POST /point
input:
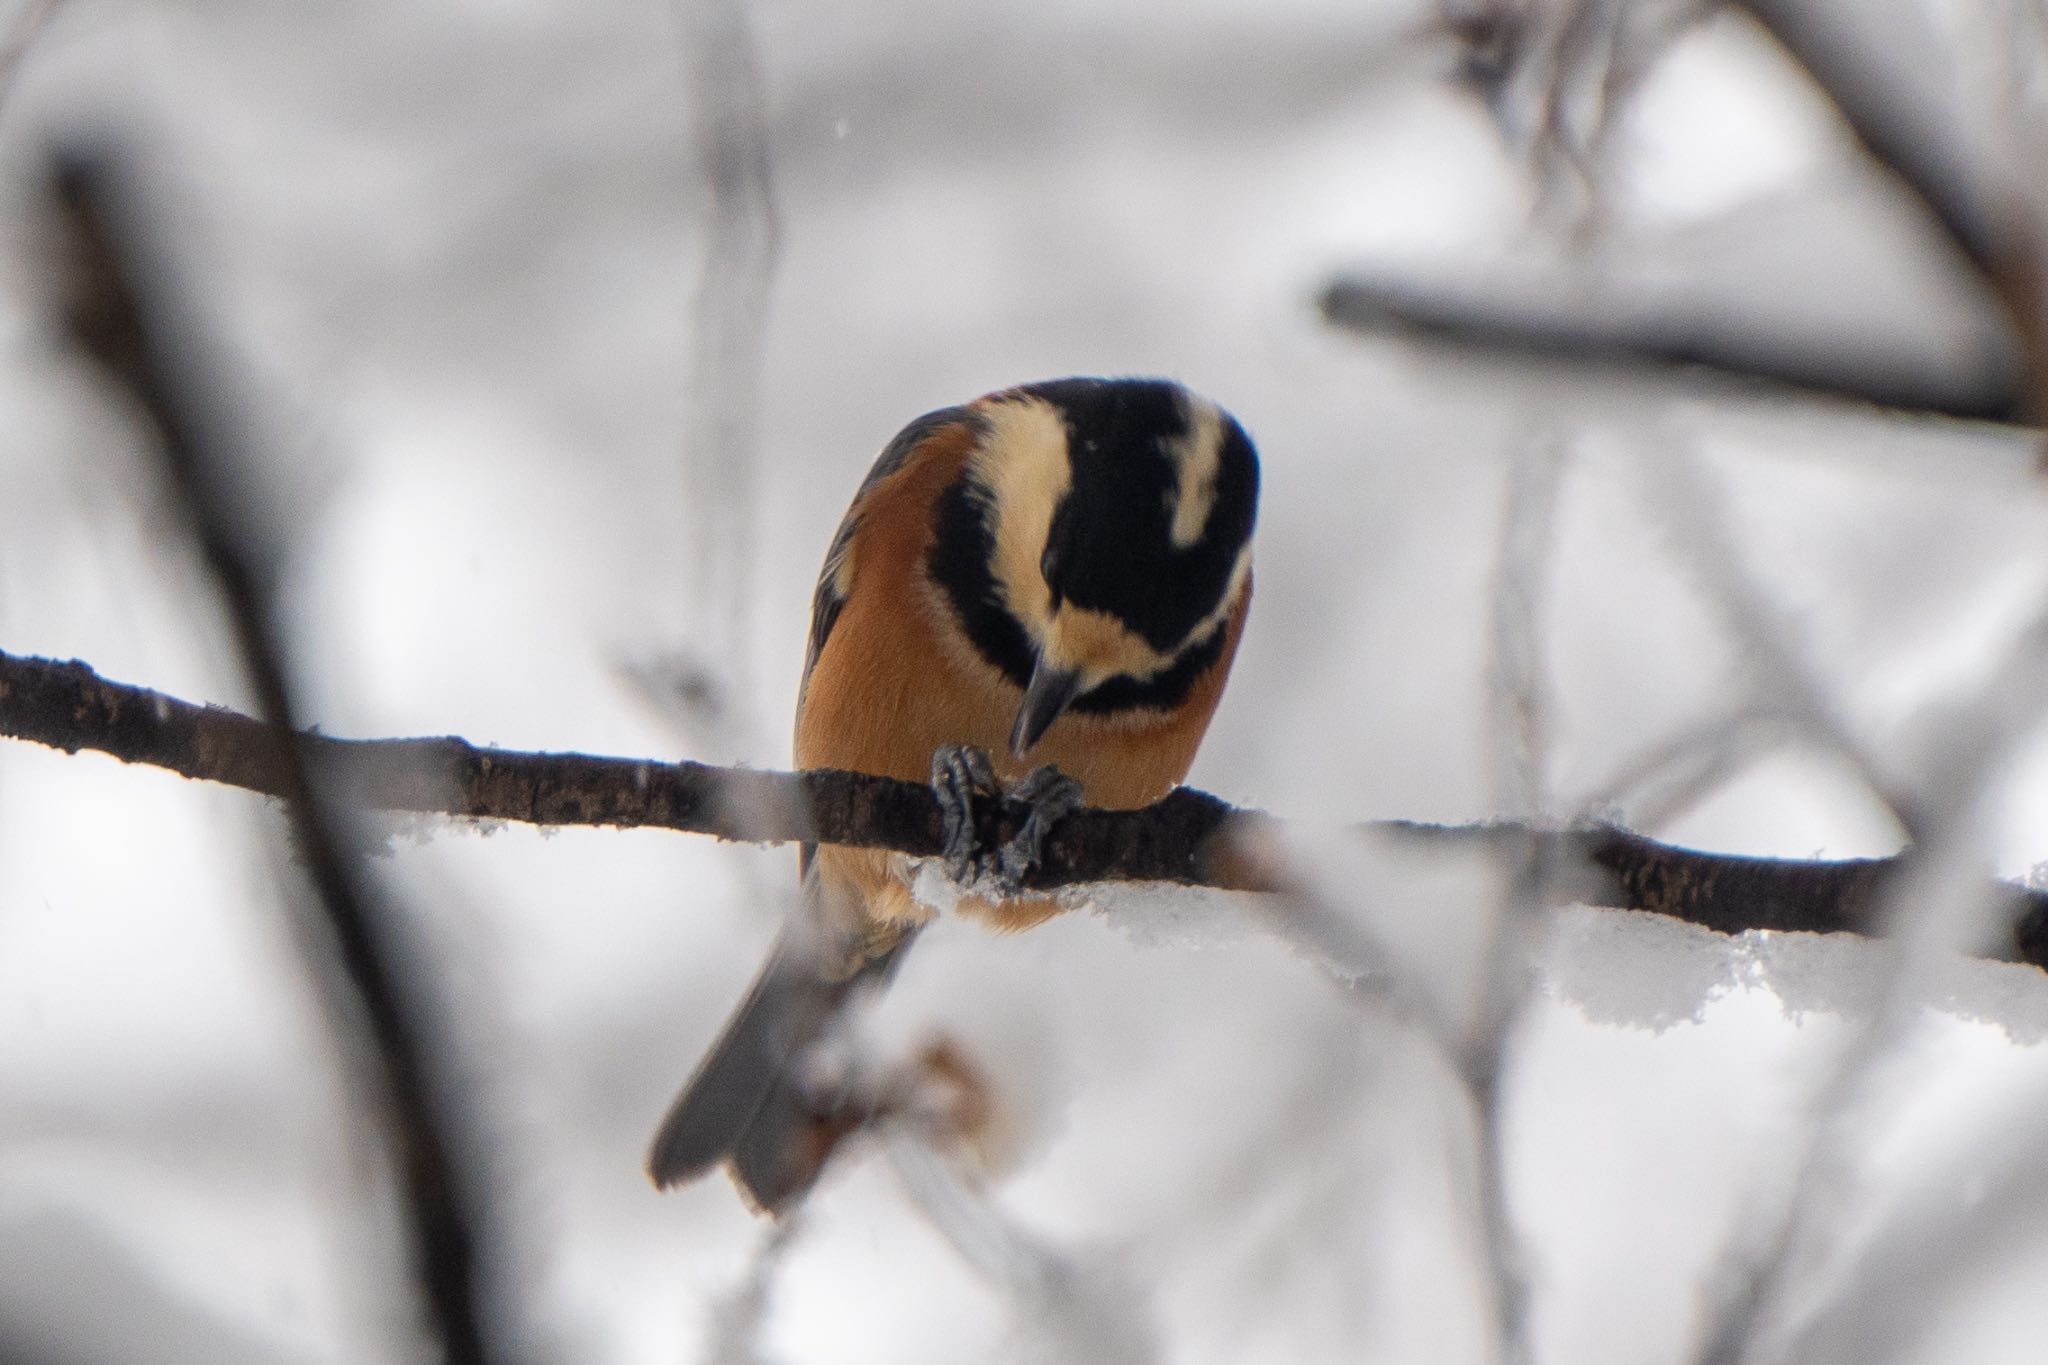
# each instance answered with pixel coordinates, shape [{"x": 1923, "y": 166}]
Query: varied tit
[{"x": 1055, "y": 574}]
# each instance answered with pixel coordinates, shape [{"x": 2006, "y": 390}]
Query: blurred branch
[
  {"x": 1648, "y": 346},
  {"x": 1063, "y": 1308},
  {"x": 1791, "y": 1247},
  {"x": 1519, "y": 713},
  {"x": 1910, "y": 137},
  {"x": 1507, "y": 49},
  {"x": 19, "y": 37},
  {"x": 1902, "y": 134},
  {"x": 1190, "y": 837},
  {"x": 728, "y": 338},
  {"x": 125, "y": 311},
  {"x": 1691, "y": 509}
]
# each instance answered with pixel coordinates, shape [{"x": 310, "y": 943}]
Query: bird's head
[{"x": 1098, "y": 543}]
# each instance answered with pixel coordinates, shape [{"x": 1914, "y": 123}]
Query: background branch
[
  {"x": 728, "y": 330},
  {"x": 1897, "y": 117},
  {"x": 124, "y": 311},
  {"x": 1729, "y": 351},
  {"x": 1891, "y": 119},
  {"x": 1191, "y": 837}
]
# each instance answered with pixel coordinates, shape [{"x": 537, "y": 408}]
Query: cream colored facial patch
[
  {"x": 1099, "y": 646},
  {"x": 1197, "y": 459},
  {"x": 1023, "y": 464}
]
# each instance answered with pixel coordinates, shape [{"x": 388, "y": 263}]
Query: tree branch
[
  {"x": 1191, "y": 837},
  {"x": 1906, "y": 131},
  {"x": 1894, "y": 122},
  {"x": 1653, "y": 346}
]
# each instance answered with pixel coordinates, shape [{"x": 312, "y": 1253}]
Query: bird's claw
[
  {"x": 1051, "y": 796},
  {"x": 961, "y": 772}
]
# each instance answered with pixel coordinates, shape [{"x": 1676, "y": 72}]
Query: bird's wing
[{"x": 835, "y": 578}]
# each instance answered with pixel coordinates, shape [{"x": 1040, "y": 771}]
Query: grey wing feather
[
  {"x": 787, "y": 1006},
  {"x": 746, "y": 1104}
]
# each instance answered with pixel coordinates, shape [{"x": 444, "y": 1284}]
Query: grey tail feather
[{"x": 746, "y": 1103}]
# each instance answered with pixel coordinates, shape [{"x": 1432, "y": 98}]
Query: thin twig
[
  {"x": 1519, "y": 735},
  {"x": 738, "y": 1318},
  {"x": 1934, "y": 903},
  {"x": 1902, "y": 134},
  {"x": 1938, "y": 902},
  {"x": 1064, "y": 1310},
  {"x": 1905, "y": 130},
  {"x": 1517, "y": 690},
  {"x": 1692, "y": 510},
  {"x": 1870, "y": 79},
  {"x": 728, "y": 329}
]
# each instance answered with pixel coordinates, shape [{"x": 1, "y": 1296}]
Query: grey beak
[{"x": 1051, "y": 691}]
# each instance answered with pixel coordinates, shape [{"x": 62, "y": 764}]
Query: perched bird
[{"x": 1056, "y": 573}]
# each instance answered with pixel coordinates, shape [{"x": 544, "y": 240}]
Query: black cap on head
[{"x": 1164, "y": 495}]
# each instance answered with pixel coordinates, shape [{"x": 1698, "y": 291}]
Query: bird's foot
[
  {"x": 960, "y": 773},
  {"x": 1051, "y": 797}
]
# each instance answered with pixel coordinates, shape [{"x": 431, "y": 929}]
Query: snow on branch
[{"x": 1191, "y": 837}]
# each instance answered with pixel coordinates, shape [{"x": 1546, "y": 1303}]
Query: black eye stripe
[{"x": 963, "y": 546}]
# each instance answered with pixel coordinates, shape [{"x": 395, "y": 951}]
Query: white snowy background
[{"x": 452, "y": 248}]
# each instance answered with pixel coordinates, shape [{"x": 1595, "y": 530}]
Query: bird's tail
[{"x": 748, "y": 1104}]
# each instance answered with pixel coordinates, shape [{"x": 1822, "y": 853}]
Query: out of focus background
[{"x": 1643, "y": 393}]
